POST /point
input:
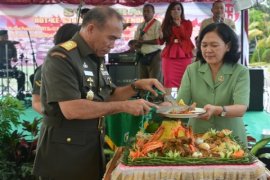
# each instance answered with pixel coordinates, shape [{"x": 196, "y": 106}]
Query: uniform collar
[
  {"x": 226, "y": 69},
  {"x": 83, "y": 47}
]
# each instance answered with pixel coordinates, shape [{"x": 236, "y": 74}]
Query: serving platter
[{"x": 190, "y": 114}]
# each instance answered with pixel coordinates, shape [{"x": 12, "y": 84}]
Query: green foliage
[
  {"x": 259, "y": 32},
  {"x": 256, "y": 56},
  {"x": 10, "y": 111},
  {"x": 266, "y": 55},
  {"x": 260, "y": 144},
  {"x": 16, "y": 153}
]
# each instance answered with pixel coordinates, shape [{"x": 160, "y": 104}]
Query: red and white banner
[{"x": 42, "y": 21}]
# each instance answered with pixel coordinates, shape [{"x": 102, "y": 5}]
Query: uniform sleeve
[
  {"x": 60, "y": 80},
  {"x": 37, "y": 82},
  {"x": 242, "y": 88},
  {"x": 184, "y": 91}
]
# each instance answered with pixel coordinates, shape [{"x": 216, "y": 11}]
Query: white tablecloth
[{"x": 254, "y": 171}]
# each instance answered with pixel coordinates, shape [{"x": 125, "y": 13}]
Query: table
[{"x": 254, "y": 171}]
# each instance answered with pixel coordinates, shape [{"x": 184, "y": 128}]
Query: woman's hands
[
  {"x": 235, "y": 110},
  {"x": 210, "y": 111}
]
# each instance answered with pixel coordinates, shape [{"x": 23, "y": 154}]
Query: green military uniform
[
  {"x": 71, "y": 149},
  {"x": 230, "y": 87},
  {"x": 37, "y": 81}
]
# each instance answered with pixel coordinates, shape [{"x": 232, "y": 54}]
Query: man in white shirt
[
  {"x": 146, "y": 36},
  {"x": 218, "y": 10}
]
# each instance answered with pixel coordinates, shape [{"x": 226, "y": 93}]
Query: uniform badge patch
[
  {"x": 69, "y": 45},
  {"x": 220, "y": 78}
]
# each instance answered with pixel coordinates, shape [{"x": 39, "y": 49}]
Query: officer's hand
[
  {"x": 148, "y": 84},
  {"x": 138, "y": 107}
]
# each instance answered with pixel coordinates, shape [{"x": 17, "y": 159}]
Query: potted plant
[
  {"x": 17, "y": 149},
  {"x": 263, "y": 153}
]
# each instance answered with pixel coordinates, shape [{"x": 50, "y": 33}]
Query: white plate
[{"x": 195, "y": 113}]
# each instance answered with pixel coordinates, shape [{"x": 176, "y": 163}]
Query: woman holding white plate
[{"x": 217, "y": 83}]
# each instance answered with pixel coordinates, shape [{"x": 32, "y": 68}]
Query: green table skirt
[{"x": 120, "y": 126}]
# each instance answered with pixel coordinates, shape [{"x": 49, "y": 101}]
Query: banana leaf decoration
[{"x": 259, "y": 145}]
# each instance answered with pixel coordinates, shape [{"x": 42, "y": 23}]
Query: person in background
[
  {"x": 148, "y": 49},
  {"x": 177, "y": 54},
  {"x": 63, "y": 34},
  {"x": 5, "y": 62},
  {"x": 76, "y": 92},
  {"x": 217, "y": 82},
  {"x": 84, "y": 11},
  {"x": 218, "y": 10}
]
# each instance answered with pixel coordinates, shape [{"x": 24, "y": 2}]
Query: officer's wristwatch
[
  {"x": 136, "y": 89},
  {"x": 224, "y": 112}
]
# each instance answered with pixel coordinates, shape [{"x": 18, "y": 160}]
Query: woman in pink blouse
[{"x": 177, "y": 54}]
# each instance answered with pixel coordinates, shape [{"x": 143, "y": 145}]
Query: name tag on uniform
[
  {"x": 104, "y": 73},
  {"x": 88, "y": 73}
]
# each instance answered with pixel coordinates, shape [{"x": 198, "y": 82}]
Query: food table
[{"x": 255, "y": 171}]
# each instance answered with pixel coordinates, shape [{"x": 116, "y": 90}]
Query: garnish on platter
[{"x": 175, "y": 144}]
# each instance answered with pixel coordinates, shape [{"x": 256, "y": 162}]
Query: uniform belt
[{"x": 55, "y": 121}]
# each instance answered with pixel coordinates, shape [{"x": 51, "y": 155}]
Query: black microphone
[{"x": 219, "y": 18}]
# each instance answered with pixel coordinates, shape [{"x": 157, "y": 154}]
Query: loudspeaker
[
  {"x": 123, "y": 74},
  {"x": 256, "y": 89}
]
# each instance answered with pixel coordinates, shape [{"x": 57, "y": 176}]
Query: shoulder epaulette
[{"x": 69, "y": 45}]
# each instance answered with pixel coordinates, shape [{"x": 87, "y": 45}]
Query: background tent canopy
[{"x": 96, "y": 2}]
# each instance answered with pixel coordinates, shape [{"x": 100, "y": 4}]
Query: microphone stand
[
  {"x": 33, "y": 54},
  {"x": 27, "y": 92},
  {"x": 79, "y": 11}
]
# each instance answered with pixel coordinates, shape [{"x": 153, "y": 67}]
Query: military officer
[
  {"x": 76, "y": 91},
  {"x": 63, "y": 34}
]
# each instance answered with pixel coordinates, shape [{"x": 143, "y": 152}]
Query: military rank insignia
[
  {"x": 220, "y": 78},
  {"x": 90, "y": 95},
  {"x": 69, "y": 45}
]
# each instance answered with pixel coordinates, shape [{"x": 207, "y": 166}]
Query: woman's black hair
[
  {"x": 168, "y": 20},
  {"x": 227, "y": 35},
  {"x": 65, "y": 33}
]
